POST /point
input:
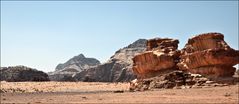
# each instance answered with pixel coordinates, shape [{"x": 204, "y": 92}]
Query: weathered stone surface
[
  {"x": 22, "y": 73},
  {"x": 162, "y": 43},
  {"x": 162, "y": 55},
  {"x": 117, "y": 69},
  {"x": 214, "y": 71},
  {"x": 205, "y": 61},
  {"x": 205, "y": 41},
  {"x": 76, "y": 64},
  {"x": 152, "y": 61},
  {"x": 208, "y": 54},
  {"x": 177, "y": 79},
  {"x": 210, "y": 57},
  {"x": 173, "y": 79}
]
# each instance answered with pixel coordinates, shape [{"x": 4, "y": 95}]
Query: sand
[{"x": 96, "y": 92}]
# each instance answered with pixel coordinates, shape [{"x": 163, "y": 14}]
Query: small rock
[
  {"x": 84, "y": 97},
  {"x": 209, "y": 82},
  {"x": 227, "y": 95},
  {"x": 118, "y": 91}
]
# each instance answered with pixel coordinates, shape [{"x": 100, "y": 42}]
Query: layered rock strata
[
  {"x": 161, "y": 55},
  {"x": 206, "y": 60},
  {"x": 208, "y": 54}
]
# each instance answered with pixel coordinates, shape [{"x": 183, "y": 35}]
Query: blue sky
[{"x": 41, "y": 34}]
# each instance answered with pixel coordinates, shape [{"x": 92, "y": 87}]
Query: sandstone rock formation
[
  {"x": 117, "y": 69},
  {"x": 22, "y": 73},
  {"x": 76, "y": 64},
  {"x": 161, "y": 55},
  {"x": 204, "y": 59},
  {"x": 208, "y": 54}
]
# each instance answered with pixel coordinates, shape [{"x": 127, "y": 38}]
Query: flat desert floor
[{"x": 96, "y": 92}]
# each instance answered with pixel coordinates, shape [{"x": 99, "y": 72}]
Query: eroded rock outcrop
[
  {"x": 161, "y": 55},
  {"x": 117, "y": 69},
  {"x": 208, "y": 54},
  {"x": 22, "y": 73},
  {"x": 177, "y": 79},
  {"x": 206, "y": 60}
]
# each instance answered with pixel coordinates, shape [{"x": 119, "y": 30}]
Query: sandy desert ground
[{"x": 96, "y": 92}]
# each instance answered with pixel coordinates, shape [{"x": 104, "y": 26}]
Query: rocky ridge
[
  {"x": 117, "y": 68},
  {"x": 22, "y": 73},
  {"x": 64, "y": 72}
]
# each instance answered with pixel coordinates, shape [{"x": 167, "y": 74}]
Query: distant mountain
[
  {"x": 63, "y": 72},
  {"x": 22, "y": 73},
  {"x": 117, "y": 68}
]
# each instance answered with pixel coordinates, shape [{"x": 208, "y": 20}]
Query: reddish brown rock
[
  {"x": 161, "y": 55},
  {"x": 209, "y": 57},
  {"x": 214, "y": 71},
  {"x": 152, "y": 61},
  {"x": 162, "y": 43},
  {"x": 205, "y": 41},
  {"x": 208, "y": 54}
]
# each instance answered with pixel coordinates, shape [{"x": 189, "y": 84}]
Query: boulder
[
  {"x": 208, "y": 54},
  {"x": 22, "y": 73},
  {"x": 161, "y": 55},
  {"x": 205, "y": 41}
]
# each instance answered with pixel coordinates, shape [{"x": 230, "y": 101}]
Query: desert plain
[{"x": 98, "y": 92}]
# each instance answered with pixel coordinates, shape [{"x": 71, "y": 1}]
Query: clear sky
[{"x": 41, "y": 34}]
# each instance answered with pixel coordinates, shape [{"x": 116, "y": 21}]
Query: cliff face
[
  {"x": 22, "y": 73},
  {"x": 76, "y": 64},
  {"x": 208, "y": 54},
  {"x": 117, "y": 69},
  {"x": 161, "y": 55}
]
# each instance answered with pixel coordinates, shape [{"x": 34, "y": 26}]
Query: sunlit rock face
[
  {"x": 161, "y": 55},
  {"x": 205, "y": 59},
  {"x": 208, "y": 54}
]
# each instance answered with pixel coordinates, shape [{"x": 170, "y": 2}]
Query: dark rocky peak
[
  {"x": 76, "y": 64},
  {"x": 138, "y": 43},
  {"x": 117, "y": 68},
  {"x": 80, "y": 61},
  {"x": 22, "y": 73},
  {"x": 80, "y": 56},
  {"x": 127, "y": 53}
]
